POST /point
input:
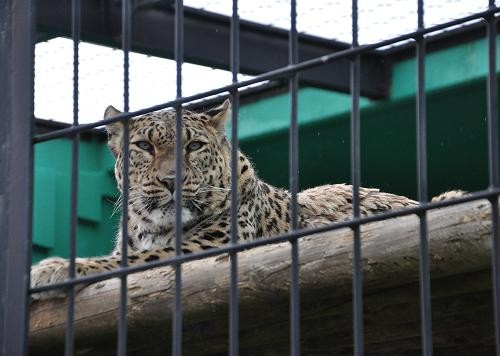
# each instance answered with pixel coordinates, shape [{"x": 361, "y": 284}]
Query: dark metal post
[
  {"x": 357, "y": 284},
  {"x": 122, "y": 322},
  {"x": 179, "y": 58},
  {"x": 16, "y": 171},
  {"x": 235, "y": 67},
  {"x": 75, "y": 142},
  {"x": 293, "y": 58},
  {"x": 493, "y": 166},
  {"x": 421, "y": 125}
]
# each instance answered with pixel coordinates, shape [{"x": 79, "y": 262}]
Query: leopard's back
[{"x": 333, "y": 202}]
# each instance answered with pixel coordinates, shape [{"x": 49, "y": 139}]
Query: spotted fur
[{"x": 263, "y": 210}]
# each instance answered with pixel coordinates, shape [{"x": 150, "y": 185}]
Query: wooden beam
[{"x": 460, "y": 239}]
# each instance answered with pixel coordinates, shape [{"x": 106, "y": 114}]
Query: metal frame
[
  {"x": 126, "y": 38},
  {"x": 101, "y": 23},
  {"x": 293, "y": 168},
  {"x": 16, "y": 174},
  {"x": 16, "y": 171},
  {"x": 179, "y": 59},
  {"x": 235, "y": 101},
  {"x": 357, "y": 285},
  {"x": 75, "y": 34}
]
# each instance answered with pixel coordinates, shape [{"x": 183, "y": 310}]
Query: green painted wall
[
  {"x": 457, "y": 147},
  {"x": 96, "y": 193},
  {"x": 456, "y": 108}
]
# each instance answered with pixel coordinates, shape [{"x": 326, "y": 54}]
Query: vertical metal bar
[
  {"x": 126, "y": 35},
  {"x": 421, "y": 110},
  {"x": 493, "y": 167},
  {"x": 293, "y": 86},
  {"x": 357, "y": 284},
  {"x": 73, "y": 224},
  {"x": 122, "y": 322},
  {"x": 496, "y": 271},
  {"x": 179, "y": 57},
  {"x": 294, "y": 183},
  {"x": 425, "y": 288},
  {"x": 492, "y": 100},
  {"x": 16, "y": 171},
  {"x": 233, "y": 303}
]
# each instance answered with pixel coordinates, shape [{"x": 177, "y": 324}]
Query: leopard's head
[{"x": 205, "y": 164}]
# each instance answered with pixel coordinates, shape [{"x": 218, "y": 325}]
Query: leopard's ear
[
  {"x": 219, "y": 115},
  {"x": 115, "y": 130}
]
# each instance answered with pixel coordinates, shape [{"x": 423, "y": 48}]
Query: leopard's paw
[
  {"x": 451, "y": 194},
  {"x": 49, "y": 271}
]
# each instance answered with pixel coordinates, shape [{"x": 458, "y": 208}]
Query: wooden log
[{"x": 460, "y": 254}]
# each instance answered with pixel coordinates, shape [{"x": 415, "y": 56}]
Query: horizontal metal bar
[
  {"x": 275, "y": 74},
  {"x": 101, "y": 23},
  {"x": 492, "y": 193}
]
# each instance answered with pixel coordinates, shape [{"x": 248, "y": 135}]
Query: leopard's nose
[{"x": 168, "y": 182}]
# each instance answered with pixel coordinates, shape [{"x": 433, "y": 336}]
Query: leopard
[{"x": 263, "y": 210}]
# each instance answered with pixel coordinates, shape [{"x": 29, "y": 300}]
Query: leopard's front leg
[{"x": 55, "y": 269}]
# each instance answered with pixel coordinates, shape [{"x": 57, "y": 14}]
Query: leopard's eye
[
  {"x": 195, "y": 145},
  {"x": 144, "y": 145}
]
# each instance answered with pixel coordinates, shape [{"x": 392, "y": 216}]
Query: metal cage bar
[
  {"x": 421, "y": 138},
  {"x": 122, "y": 316},
  {"x": 357, "y": 284},
  {"x": 16, "y": 171},
  {"x": 75, "y": 156},
  {"x": 234, "y": 301},
  {"x": 492, "y": 118},
  {"x": 293, "y": 58},
  {"x": 179, "y": 58}
]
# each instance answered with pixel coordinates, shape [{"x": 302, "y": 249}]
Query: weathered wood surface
[{"x": 460, "y": 253}]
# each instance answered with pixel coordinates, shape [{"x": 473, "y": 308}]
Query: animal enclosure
[{"x": 312, "y": 277}]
